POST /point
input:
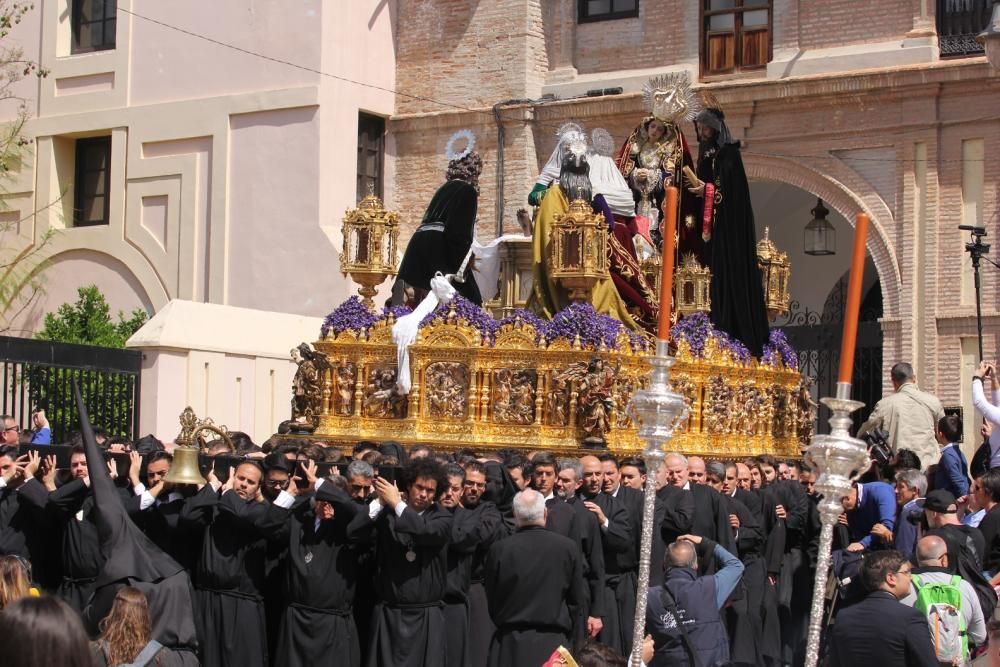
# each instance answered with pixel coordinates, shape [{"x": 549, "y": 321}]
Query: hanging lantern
[
  {"x": 692, "y": 287},
  {"x": 370, "y": 237},
  {"x": 990, "y": 38},
  {"x": 579, "y": 250},
  {"x": 820, "y": 237},
  {"x": 775, "y": 273}
]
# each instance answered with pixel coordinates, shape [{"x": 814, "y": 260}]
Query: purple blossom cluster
[
  {"x": 524, "y": 316},
  {"x": 778, "y": 348},
  {"x": 474, "y": 315},
  {"x": 697, "y": 328},
  {"x": 580, "y": 319},
  {"x": 352, "y": 315},
  {"x": 395, "y": 311}
]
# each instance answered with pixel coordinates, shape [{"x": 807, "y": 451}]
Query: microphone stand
[{"x": 976, "y": 249}]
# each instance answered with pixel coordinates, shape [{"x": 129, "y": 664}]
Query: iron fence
[
  {"x": 39, "y": 375},
  {"x": 958, "y": 23}
]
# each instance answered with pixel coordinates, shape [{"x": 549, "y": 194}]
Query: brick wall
[{"x": 826, "y": 23}]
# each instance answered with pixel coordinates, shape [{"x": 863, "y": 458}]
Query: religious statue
[
  {"x": 556, "y": 400},
  {"x": 595, "y": 397},
  {"x": 307, "y": 384},
  {"x": 806, "y": 410},
  {"x": 627, "y": 296},
  {"x": 443, "y": 241},
  {"x": 344, "y": 397},
  {"x": 737, "y": 294},
  {"x": 514, "y": 396},
  {"x": 381, "y": 399},
  {"x": 655, "y": 155}
]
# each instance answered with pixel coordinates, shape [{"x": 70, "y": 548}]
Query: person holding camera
[{"x": 909, "y": 415}]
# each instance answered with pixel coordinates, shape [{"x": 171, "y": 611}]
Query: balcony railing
[{"x": 958, "y": 23}]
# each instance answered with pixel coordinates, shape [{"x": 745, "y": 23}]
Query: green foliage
[{"x": 88, "y": 321}]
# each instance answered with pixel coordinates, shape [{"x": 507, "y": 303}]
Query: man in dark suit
[
  {"x": 952, "y": 473},
  {"x": 880, "y": 630},
  {"x": 534, "y": 584}
]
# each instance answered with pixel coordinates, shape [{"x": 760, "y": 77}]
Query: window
[
  {"x": 603, "y": 10},
  {"x": 94, "y": 23},
  {"x": 92, "y": 183},
  {"x": 737, "y": 36},
  {"x": 371, "y": 148}
]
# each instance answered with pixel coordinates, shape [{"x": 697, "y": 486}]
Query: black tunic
[
  {"x": 408, "y": 626},
  {"x": 737, "y": 292},
  {"x": 618, "y": 546},
  {"x": 230, "y": 574},
  {"x": 675, "y": 517},
  {"x": 534, "y": 583},
  {"x": 744, "y": 616},
  {"x": 22, "y": 525},
  {"x": 320, "y": 575},
  {"x": 711, "y": 520},
  {"x": 474, "y": 530},
  {"x": 71, "y": 507}
]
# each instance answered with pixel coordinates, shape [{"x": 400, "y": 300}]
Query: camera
[{"x": 878, "y": 446}]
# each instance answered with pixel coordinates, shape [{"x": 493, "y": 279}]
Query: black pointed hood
[{"x": 128, "y": 552}]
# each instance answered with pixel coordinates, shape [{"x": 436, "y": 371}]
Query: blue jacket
[
  {"x": 952, "y": 471},
  {"x": 877, "y": 504}
]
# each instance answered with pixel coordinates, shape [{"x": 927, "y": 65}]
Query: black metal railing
[
  {"x": 958, "y": 23},
  {"x": 39, "y": 374}
]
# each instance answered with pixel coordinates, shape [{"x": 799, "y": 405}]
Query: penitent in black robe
[
  {"x": 534, "y": 583},
  {"x": 411, "y": 551},
  {"x": 230, "y": 574},
  {"x": 473, "y": 531},
  {"x": 320, "y": 575},
  {"x": 619, "y": 583},
  {"x": 71, "y": 507},
  {"x": 737, "y": 293}
]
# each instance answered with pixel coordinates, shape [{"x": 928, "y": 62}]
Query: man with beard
[
  {"x": 72, "y": 508},
  {"x": 534, "y": 583},
  {"x": 411, "y": 566},
  {"x": 319, "y": 580},
  {"x": 229, "y": 578},
  {"x": 737, "y": 294},
  {"x": 621, "y": 560},
  {"x": 476, "y": 526}
]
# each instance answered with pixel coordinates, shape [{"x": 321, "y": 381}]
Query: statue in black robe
[
  {"x": 737, "y": 293},
  {"x": 442, "y": 241}
]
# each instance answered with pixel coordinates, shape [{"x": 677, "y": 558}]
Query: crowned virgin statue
[{"x": 654, "y": 157}]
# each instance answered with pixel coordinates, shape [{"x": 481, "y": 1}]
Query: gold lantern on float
[
  {"x": 579, "y": 250},
  {"x": 652, "y": 268},
  {"x": 775, "y": 273},
  {"x": 370, "y": 237},
  {"x": 692, "y": 287}
]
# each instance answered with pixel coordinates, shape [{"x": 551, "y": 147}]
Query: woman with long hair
[
  {"x": 15, "y": 582},
  {"x": 126, "y": 634},
  {"x": 43, "y": 631}
]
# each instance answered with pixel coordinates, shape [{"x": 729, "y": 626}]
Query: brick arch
[{"x": 843, "y": 197}]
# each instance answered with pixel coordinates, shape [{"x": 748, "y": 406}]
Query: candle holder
[
  {"x": 579, "y": 246},
  {"x": 658, "y": 412},
  {"x": 370, "y": 237},
  {"x": 838, "y": 460}
]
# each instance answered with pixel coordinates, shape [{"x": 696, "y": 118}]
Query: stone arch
[{"x": 842, "y": 195}]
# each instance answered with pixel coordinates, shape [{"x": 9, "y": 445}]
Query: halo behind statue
[
  {"x": 470, "y": 145},
  {"x": 669, "y": 98},
  {"x": 602, "y": 142}
]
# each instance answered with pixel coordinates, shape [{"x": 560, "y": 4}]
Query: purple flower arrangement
[
  {"x": 580, "y": 319},
  {"x": 524, "y": 316},
  {"x": 778, "y": 348},
  {"x": 395, "y": 311},
  {"x": 697, "y": 328},
  {"x": 475, "y": 316},
  {"x": 352, "y": 315}
]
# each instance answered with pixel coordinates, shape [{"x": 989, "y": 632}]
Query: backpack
[{"x": 942, "y": 605}]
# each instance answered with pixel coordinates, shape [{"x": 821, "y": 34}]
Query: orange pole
[
  {"x": 853, "y": 301},
  {"x": 669, "y": 230}
]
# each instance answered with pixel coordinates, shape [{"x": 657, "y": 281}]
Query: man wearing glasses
[
  {"x": 880, "y": 630},
  {"x": 11, "y": 431}
]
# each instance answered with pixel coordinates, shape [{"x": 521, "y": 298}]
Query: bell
[{"x": 184, "y": 469}]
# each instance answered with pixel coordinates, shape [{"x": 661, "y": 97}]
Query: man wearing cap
[{"x": 865, "y": 506}]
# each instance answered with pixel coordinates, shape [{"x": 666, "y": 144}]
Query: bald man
[
  {"x": 711, "y": 517},
  {"x": 696, "y": 469},
  {"x": 933, "y": 568}
]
